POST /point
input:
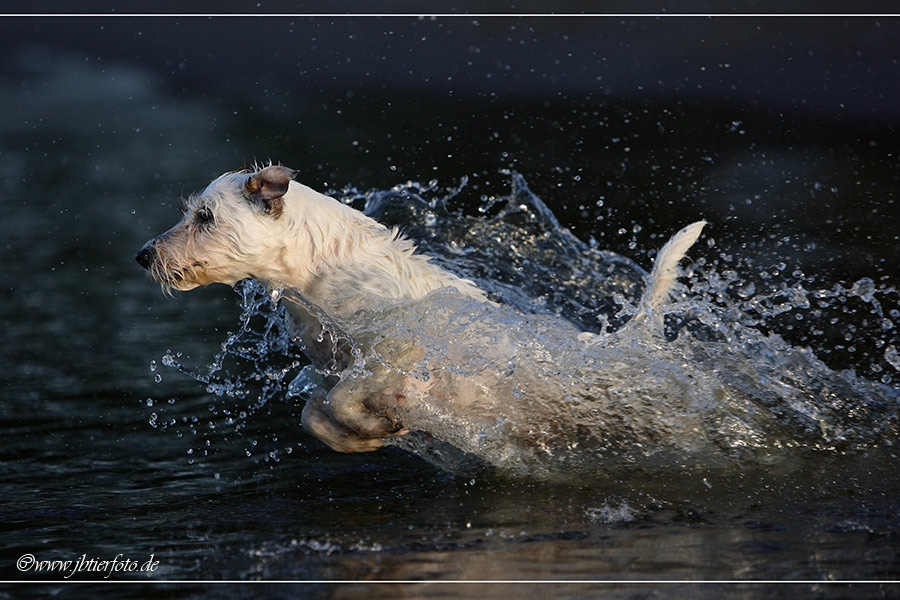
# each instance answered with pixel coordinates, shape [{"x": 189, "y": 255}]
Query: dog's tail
[{"x": 663, "y": 275}]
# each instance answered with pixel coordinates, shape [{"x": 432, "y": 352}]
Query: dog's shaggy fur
[{"x": 260, "y": 223}]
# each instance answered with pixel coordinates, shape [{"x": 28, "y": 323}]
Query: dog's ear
[{"x": 267, "y": 186}]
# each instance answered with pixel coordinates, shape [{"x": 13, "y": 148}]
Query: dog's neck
[{"x": 340, "y": 258}]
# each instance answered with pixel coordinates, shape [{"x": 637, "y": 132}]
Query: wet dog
[{"x": 260, "y": 223}]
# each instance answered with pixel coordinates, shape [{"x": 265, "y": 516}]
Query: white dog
[{"x": 262, "y": 224}]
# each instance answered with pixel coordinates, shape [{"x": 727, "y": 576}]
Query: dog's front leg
[
  {"x": 359, "y": 411},
  {"x": 368, "y": 405},
  {"x": 319, "y": 421}
]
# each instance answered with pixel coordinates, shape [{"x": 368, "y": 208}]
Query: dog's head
[{"x": 228, "y": 232}]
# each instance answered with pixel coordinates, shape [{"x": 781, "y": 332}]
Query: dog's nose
[{"x": 146, "y": 256}]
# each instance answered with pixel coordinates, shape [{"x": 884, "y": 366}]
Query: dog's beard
[{"x": 173, "y": 278}]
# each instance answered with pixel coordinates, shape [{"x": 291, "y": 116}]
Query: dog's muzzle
[{"x": 146, "y": 256}]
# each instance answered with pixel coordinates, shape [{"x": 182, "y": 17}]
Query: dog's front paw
[
  {"x": 318, "y": 421},
  {"x": 369, "y": 406}
]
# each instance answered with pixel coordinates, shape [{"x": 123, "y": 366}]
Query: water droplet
[
  {"x": 747, "y": 291},
  {"x": 864, "y": 288},
  {"x": 892, "y": 356}
]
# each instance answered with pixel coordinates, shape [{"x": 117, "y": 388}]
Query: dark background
[{"x": 776, "y": 122}]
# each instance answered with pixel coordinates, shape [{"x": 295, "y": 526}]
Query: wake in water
[{"x": 516, "y": 385}]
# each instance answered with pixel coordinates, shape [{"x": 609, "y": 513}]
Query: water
[{"x": 773, "y": 456}]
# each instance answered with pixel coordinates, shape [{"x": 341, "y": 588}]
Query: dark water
[{"x": 99, "y": 458}]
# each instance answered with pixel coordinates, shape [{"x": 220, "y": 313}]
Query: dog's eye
[{"x": 204, "y": 216}]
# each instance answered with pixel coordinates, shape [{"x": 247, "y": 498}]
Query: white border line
[
  {"x": 452, "y": 15},
  {"x": 463, "y": 581}
]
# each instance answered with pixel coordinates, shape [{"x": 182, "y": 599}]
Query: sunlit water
[{"x": 516, "y": 389}]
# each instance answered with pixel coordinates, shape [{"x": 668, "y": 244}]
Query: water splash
[
  {"x": 622, "y": 513},
  {"x": 253, "y": 363},
  {"x": 739, "y": 377}
]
